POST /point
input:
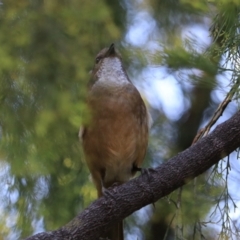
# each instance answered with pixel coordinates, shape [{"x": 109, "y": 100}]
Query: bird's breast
[{"x": 117, "y": 135}]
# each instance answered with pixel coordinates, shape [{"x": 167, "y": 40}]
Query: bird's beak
[{"x": 111, "y": 51}]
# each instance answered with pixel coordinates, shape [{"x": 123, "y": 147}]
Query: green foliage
[
  {"x": 185, "y": 214},
  {"x": 47, "y": 50},
  {"x": 183, "y": 58}
]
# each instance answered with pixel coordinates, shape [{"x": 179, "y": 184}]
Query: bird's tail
[{"x": 116, "y": 232}]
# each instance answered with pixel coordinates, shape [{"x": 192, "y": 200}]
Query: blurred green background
[{"x": 47, "y": 49}]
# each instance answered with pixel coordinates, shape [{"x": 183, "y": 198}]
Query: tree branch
[{"x": 152, "y": 185}]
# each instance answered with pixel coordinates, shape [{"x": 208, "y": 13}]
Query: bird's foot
[
  {"x": 146, "y": 171},
  {"x": 107, "y": 192}
]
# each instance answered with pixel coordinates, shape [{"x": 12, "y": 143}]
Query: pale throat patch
[{"x": 111, "y": 72}]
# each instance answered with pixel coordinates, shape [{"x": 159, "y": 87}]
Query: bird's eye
[{"x": 98, "y": 60}]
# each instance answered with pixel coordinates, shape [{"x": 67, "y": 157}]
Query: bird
[{"x": 115, "y": 139}]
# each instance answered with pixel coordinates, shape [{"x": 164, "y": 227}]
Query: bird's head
[{"x": 107, "y": 61}]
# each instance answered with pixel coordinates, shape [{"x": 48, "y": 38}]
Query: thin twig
[{"x": 218, "y": 113}]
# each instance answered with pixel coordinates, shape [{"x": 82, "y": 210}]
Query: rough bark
[{"x": 154, "y": 184}]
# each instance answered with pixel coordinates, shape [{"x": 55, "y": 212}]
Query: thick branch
[{"x": 151, "y": 186}]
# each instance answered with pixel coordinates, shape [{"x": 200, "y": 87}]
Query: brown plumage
[{"x": 116, "y": 138}]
